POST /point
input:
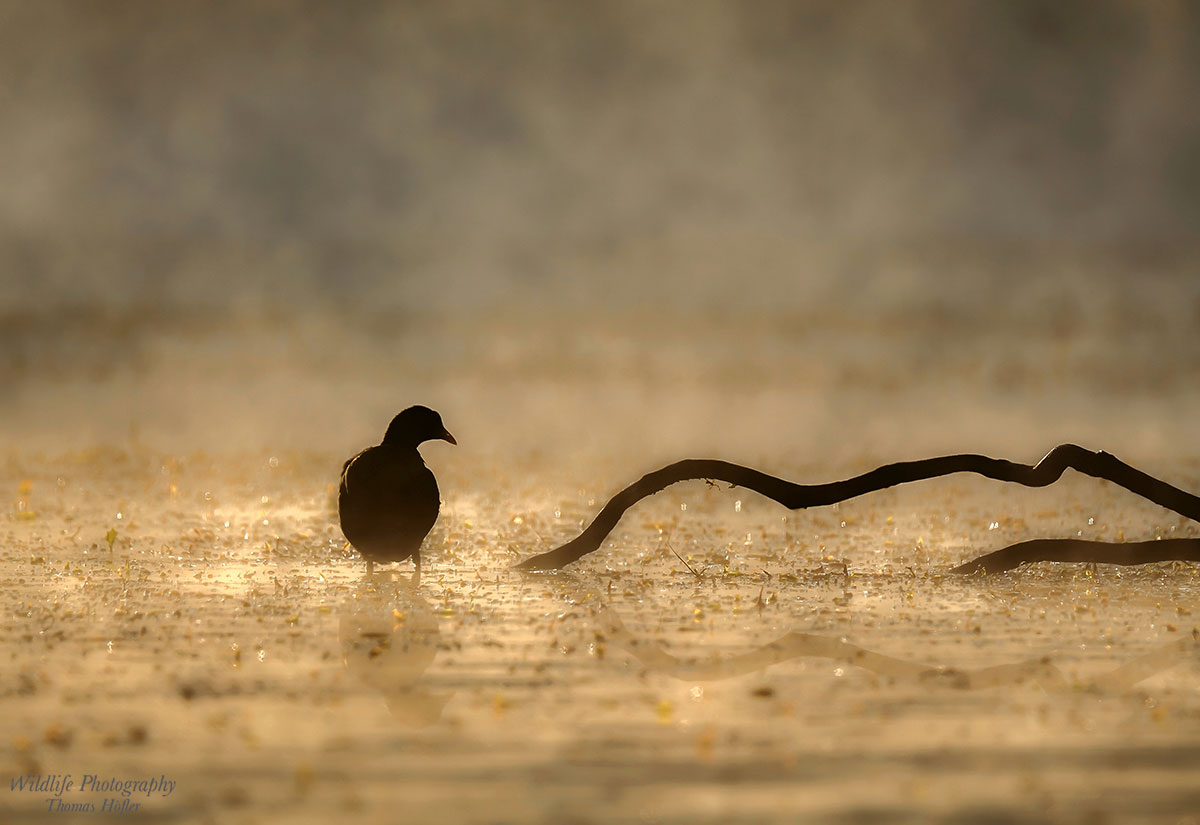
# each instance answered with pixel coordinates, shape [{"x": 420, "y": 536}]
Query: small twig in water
[{"x": 685, "y": 564}]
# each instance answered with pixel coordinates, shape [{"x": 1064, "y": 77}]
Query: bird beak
[{"x": 447, "y": 437}]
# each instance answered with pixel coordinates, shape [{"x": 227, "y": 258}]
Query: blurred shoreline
[{"x": 1014, "y": 372}]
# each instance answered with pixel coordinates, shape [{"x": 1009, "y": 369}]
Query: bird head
[{"x": 416, "y": 425}]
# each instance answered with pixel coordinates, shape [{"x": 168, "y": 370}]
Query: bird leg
[
  {"x": 370, "y": 569},
  {"x": 416, "y": 577}
]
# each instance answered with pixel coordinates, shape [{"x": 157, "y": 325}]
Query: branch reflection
[
  {"x": 795, "y": 645},
  {"x": 389, "y": 636}
]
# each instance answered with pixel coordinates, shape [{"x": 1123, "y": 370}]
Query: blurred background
[{"x": 774, "y": 232}]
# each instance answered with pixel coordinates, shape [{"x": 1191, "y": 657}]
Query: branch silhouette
[{"x": 801, "y": 496}]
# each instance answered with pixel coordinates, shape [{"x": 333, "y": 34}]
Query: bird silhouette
[{"x": 388, "y": 499}]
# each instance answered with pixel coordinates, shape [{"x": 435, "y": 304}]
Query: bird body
[{"x": 388, "y": 500}]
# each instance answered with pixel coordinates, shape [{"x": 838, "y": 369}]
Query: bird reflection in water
[{"x": 389, "y": 637}]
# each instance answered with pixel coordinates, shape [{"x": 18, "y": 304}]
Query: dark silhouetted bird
[{"x": 389, "y": 499}]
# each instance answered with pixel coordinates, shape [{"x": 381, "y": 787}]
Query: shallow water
[{"x": 198, "y": 617}]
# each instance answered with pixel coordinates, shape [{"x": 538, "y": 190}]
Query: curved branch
[
  {"x": 1078, "y": 550},
  {"x": 799, "y": 496}
]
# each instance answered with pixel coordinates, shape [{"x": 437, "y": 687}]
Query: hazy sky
[{"x": 396, "y": 154}]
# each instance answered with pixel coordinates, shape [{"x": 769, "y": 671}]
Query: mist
[{"x": 247, "y": 224}]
